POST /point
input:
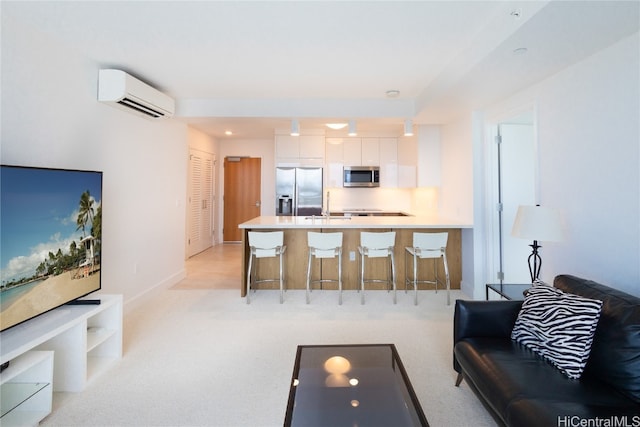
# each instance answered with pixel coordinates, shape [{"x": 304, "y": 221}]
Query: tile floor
[{"x": 218, "y": 267}]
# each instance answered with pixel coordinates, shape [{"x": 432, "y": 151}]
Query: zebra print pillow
[{"x": 559, "y": 326}]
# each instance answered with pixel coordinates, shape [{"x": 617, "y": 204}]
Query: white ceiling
[{"x": 252, "y": 66}]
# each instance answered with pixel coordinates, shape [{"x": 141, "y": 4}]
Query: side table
[{"x": 510, "y": 291}]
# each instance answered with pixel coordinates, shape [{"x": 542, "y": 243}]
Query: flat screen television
[{"x": 50, "y": 239}]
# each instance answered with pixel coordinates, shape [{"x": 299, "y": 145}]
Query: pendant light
[
  {"x": 352, "y": 128},
  {"x": 408, "y": 127},
  {"x": 295, "y": 127}
]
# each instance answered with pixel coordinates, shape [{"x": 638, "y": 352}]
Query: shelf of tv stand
[
  {"x": 85, "y": 339},
  {"x": 26, "y": 389}
]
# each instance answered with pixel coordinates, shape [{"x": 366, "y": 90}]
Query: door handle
[{"x": 257, "y": 203}]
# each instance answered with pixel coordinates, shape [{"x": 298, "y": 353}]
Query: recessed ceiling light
[
  {"x": 394, "y": 93},
  {"x": 336, "y": 126},
  {"x": 228, "y": 132}
]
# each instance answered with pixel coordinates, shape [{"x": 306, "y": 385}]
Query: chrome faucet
[{"x": 327, "y": 212}]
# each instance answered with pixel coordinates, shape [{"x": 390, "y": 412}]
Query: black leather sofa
[{"x": 519, "y": 388}]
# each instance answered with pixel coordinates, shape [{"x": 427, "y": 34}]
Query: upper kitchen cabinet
[
  {"x": 303, "y": 150},
  {"x": 334, "y": 160},
  {"x": 361, "y": 151},
  {"x": 369, "y": 151},
  {"x": 407, "y": 162},
  {"x": 388, "y": 160},
  {"x": 311, "y": 146},
  {"x": 428, "y": 155},
  {"x": 352, "y": 149}
]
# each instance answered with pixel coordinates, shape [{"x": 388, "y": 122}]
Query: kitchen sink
[
  {"x": 328, "y": 218},
  {"x": 371, "y": 212}
]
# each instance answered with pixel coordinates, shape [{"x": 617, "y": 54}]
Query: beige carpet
[{"x": 206, "y": 358}]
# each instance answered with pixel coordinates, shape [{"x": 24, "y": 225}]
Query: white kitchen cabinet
[
  {"x": 407, "y": 162},
  {"x": 370, "y": 152},
  {"x": 303, "y": 150},
  {"x": 428, "y": 155},
  {"x": 311, "y": 147},
  {"x": 352, "y": 151},
  {"x": 334, "y": 162},
  {"x": 362, "y": 151},
  {"x": 388, "y": 150},
  {"x": 366, "y": 151},
  {"x": 287, "y": 147},
  {"x": 334, "y": 150},
  {"x": 388, "y": 155}
]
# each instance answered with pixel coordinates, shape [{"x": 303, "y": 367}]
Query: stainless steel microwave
[{"x": 361, "y": 176}]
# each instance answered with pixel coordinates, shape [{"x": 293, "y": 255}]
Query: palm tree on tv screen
[{"x": 85, "y": 213}]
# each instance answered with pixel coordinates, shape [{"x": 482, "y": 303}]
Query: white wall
[
  {"x": 50, "y": 118},
  {"x": 589, "y": 163},
  {"x": 456, "y": 192},
  {"x": 589, "y": 119},
  {"x": 199, "y": 140}
]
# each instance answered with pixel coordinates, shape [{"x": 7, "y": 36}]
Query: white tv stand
[{"x": 61, "y": 350}]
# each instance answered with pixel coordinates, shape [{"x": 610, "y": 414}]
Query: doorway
[
  {"x": 242, "y": 197},
  {"x": 514, "y": 164}
]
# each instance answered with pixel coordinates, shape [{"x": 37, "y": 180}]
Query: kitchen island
[{"x": 295, "y": 230}]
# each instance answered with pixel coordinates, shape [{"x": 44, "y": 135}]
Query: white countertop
[{"x": 353, "y": 222}]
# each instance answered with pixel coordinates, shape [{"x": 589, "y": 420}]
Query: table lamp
[{"x": 537, "y": 223}]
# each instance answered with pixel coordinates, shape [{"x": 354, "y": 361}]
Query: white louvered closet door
[{"x": 201, "y": 206}]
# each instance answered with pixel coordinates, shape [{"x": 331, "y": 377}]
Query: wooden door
[{"x": 242, "y": 198}]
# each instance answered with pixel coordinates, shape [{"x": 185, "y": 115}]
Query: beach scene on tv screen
[{"x": 50, "y": 239}]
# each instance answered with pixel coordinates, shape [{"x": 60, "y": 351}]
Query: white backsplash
[
  {"x": 425, "y": 201},
  {"x": 417, "y": 201}
]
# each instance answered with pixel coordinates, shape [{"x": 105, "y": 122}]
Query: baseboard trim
[{"x": 136, "y": 301}]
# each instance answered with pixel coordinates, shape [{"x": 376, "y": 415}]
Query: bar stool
[
  {"x": 427, "y": 245},
  {"x": 377, "y": 245},
  {"x": 265, "y": 245},
  {"x": 325, "y": 245}
]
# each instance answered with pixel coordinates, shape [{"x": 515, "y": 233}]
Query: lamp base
[{"x": 535, "y": 262}]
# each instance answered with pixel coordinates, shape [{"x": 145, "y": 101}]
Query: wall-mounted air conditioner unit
[{"x": 121, "y": 90}]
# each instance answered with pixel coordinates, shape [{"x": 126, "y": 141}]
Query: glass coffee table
[{"x": 351, "y": 385}]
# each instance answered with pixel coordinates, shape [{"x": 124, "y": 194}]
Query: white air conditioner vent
[{"x": 121, "y": 90}]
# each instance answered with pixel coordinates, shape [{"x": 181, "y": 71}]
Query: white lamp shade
[{"x": 538, "y": 223}]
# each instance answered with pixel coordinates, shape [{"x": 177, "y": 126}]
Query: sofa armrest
[{"x": 491, "y": 319}]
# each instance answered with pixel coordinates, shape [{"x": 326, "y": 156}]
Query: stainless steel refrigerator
[{"x": 298, "y": 191}]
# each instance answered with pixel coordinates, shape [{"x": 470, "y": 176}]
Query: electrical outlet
[{"x": 352, "y": 255}]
